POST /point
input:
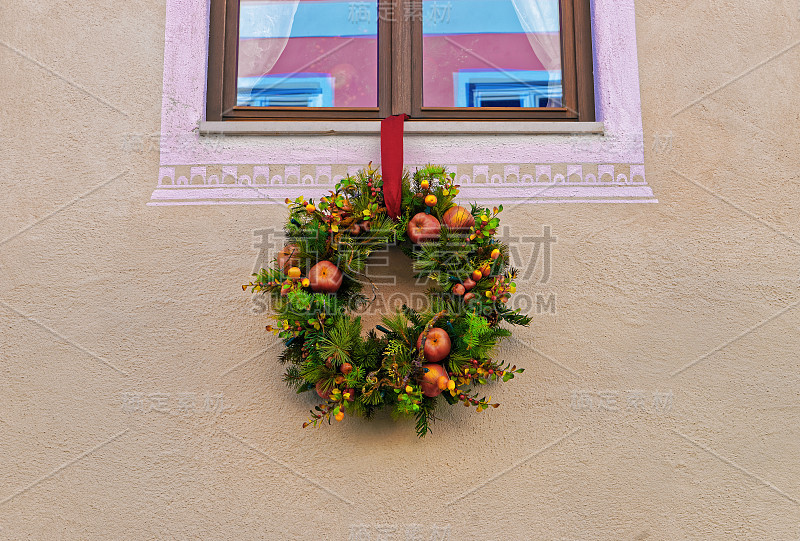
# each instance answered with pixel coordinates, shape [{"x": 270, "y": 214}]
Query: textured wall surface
[{"x": 139, "y": 398}]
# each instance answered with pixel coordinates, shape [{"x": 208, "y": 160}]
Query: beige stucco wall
[{"x": 103, "y": 300}]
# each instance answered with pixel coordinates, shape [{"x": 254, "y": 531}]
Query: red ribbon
[{"x": 392, "y": 162}]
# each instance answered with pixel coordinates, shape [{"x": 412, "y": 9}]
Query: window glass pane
[
  {"x": 304, "y": 53},
  {"x": 491, "y": 53}
]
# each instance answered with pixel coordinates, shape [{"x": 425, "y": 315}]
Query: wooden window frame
[{"x": 400, "y": 79}]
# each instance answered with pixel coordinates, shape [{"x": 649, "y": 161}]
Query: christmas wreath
[{"x": 416, "y": 359}]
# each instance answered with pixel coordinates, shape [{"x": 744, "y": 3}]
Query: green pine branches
[
  {"x": 338, "y": 343},
  {"x": 354, "y": 373}
]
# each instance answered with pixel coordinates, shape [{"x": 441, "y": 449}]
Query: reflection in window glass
[
  {"x": 303, "y": 53},
  {"x": 491, "y": 53}
]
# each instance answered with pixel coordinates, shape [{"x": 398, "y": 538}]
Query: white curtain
[
  {"x": 271, "y": 19},
  {"x": 540, "y": 19}
]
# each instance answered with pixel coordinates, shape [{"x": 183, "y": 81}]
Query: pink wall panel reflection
[
  {"x": 445, "y": 55},
  {"x": 353, "y": 62}
]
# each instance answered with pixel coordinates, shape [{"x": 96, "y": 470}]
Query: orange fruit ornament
[
  {"x": 430, "y": 379},
  {"x": 458, "y": 218}
]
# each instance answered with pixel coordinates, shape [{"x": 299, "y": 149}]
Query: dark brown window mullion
[
  {"x": 218, "y": 57},
  {"x": 416, "y": 68},
  {"x": 231, "y": 62},
  {"x": 569, "y": 99},
  {"x": 385, "y": 79},
  {"x": 584, "y": 65},
  {"x": 223, "y": 47},
  {"x": 401, "y": 55}
]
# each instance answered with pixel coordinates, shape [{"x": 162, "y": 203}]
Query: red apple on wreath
[
  {"x": 458, "y": 218},
  {"x": 322, "y": 394},
  {"x": 430, "y": 379},
  {"x": 423, "y": 227},
  {"x": 288, "y": 257},
  {"x": 437, "y": 346},
  {"x": 325, "y": 277}
]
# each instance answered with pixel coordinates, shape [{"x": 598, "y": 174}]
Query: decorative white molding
[{"x": 486, "y": 184}]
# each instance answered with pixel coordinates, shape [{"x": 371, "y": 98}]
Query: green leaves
[{"x": 399, "y": 352}]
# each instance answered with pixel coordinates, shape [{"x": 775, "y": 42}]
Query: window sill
[{"x": 414, "y": 127}]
